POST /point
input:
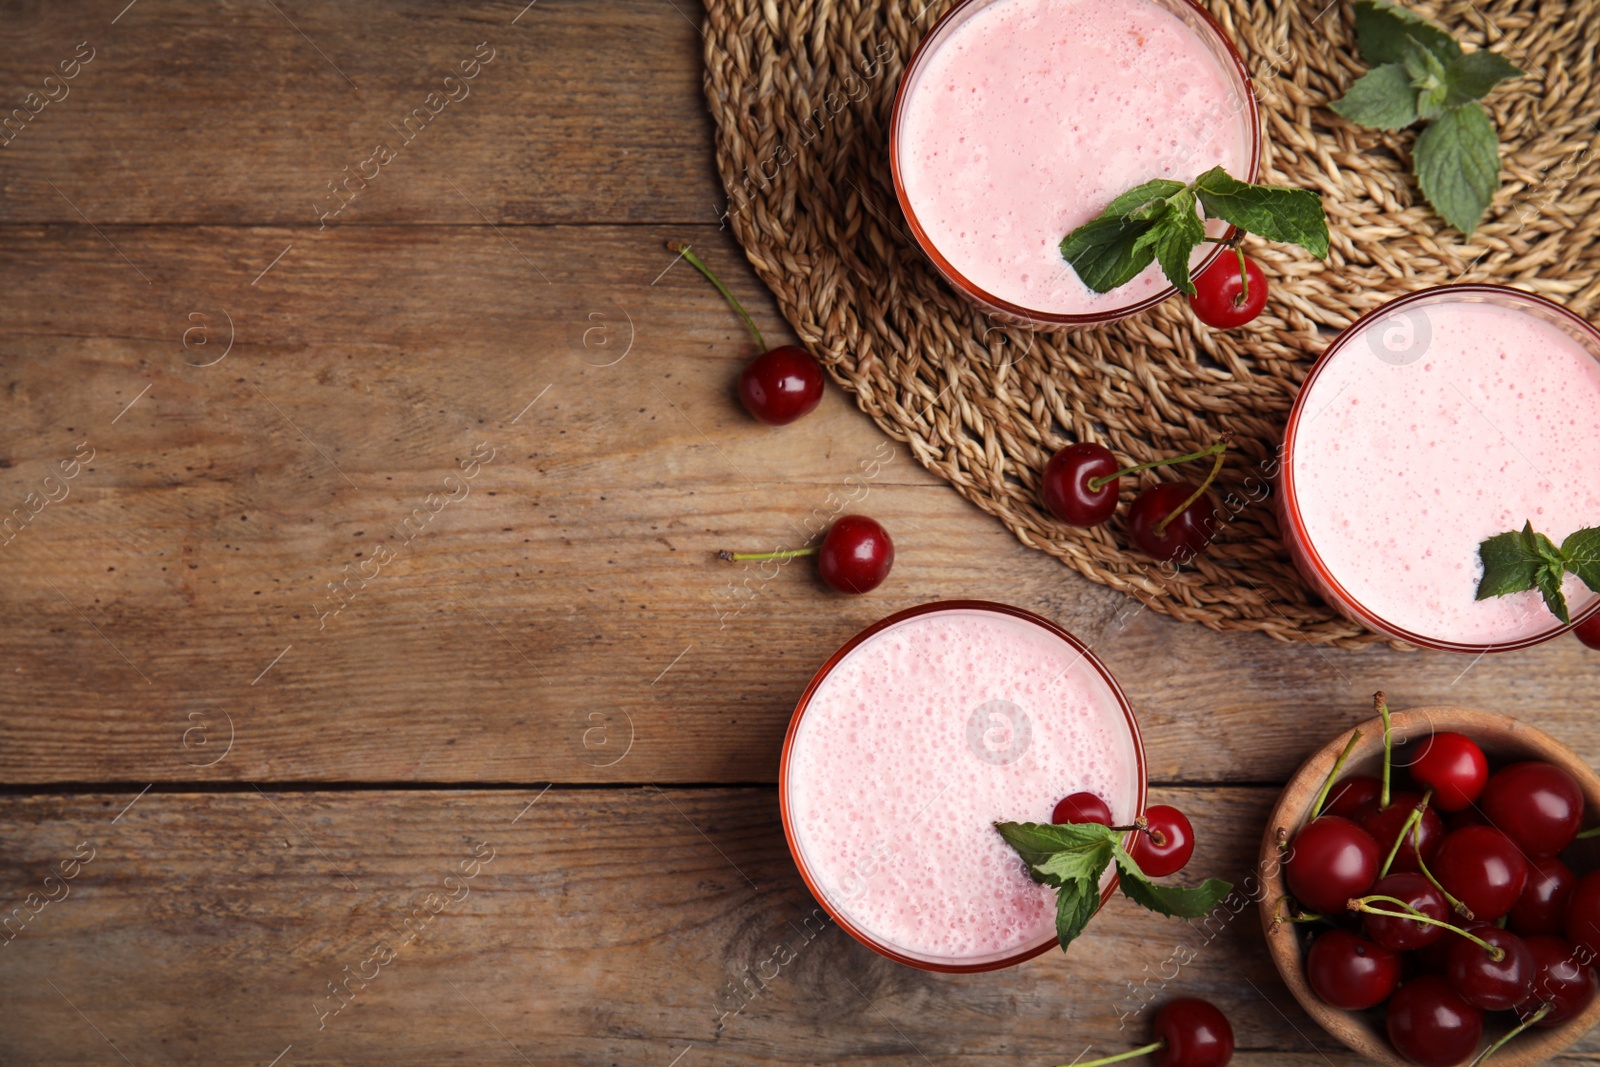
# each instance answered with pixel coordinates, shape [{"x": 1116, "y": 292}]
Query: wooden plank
[
  {"x": 246, "y": 112},
  {"x": 606, "y": 928},
  {"x": 570, "y": 599}
]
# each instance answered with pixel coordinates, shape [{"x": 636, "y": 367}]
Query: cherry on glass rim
[
  {"x": 1588, "y": 631},
  {"x": 1165, "y": 844},
  {"x": 1082, "y": 807},
  {"x": 1230, "y": 292}
]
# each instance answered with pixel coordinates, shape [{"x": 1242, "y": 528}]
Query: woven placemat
[{"x": 802, "y": 91}]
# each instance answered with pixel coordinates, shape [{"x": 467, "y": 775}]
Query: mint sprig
[
  {"x": 1159, "y": 221},
  {"x": 1073, "y": 857},
  {"x": 1420, "y": 73},
  {"x": 1519, "y": 560}
]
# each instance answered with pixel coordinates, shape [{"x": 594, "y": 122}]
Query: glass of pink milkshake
[
  {"x": 1434, "y": 422},
  {"x": 1017, "y": 121},
  {"x": 912, "y": 741}
]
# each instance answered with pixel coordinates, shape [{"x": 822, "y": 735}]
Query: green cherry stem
[
  {"x": 1333, "y": 774},
  {"x": 1589, "y": 833},
  {"x": 1154, "y": 1046},
  {"x": 1381, "y": 704},
  {"x": 1412, "y": 820},
  {"x": 1483, "y": 1057},
  {"x": 733, "y": 301},
  {"x": 1244, "y": 279},
  {"x": 1096, "y": 483},
  {"x": 1455, "y": 905},
  {"x": 1216, "y": 469},
  {"x": 1365, "y": 904},
  {"x": 785, "y": 553},
  {"x": 1280, "y": 916}
]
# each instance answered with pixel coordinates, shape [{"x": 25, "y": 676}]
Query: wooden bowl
[{"x": 1504, "y": 740}]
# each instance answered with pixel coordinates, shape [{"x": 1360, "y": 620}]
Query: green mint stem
[
  {"x": 1209, "y": 450},
  {"x": 1381, "y": 704},
  {"x": 1544, "y": 1009},
  {"x": 1414, "y": 819},
  {"x": 1154, "y": 1046},
  {"x": 1333, "y": 774},
  {"x": 1365, "y": 904},
  {"x": 786, "y": 553},
  {"x": 733, "y": 301},
  {"x": 1216, "y": 469}
]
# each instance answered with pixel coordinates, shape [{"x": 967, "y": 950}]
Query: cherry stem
[
  {"x": 1095, "y": 484},
  {"x": 733, "y": 301},
  {"x": 1216, "y": 469},
  {"x": 1154, "y": 1046},
  {"x": 1483, "y": 1057},
  {"x": 1279, "y": 918},
  {"x": 1338, "y": 765},
  {"x": 1456, "y": 905},
  {"x": 1496, "y": 953},
  {"x": 1244, "y": 279},
  {"x": 1141, "y": 824},
  {"x": 1413, "y": 819},
  {"x": 1381, "y": 705},
  {"x": 785, "y": 553},
  {"x": 1589, "y": 833}
]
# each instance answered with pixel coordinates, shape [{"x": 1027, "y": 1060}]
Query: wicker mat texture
[{"x": 802, "y": 92}]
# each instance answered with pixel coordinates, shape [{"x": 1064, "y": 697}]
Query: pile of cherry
[{"x": 1447, "y": 900}]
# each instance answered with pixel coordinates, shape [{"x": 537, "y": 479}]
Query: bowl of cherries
[{"x": 1430, "y": 892}]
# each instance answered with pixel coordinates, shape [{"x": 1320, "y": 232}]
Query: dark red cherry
[
  {"x": 1386, "y": 825},
  {"x": 1352, "y": 796},
  {"x": 780, "y": 386},
  {"x": 1082, "y": 807},
  {"x": 1403, "y": 935},
  {"x": 1563, "y": 978},
  {"x": 1067, "y": 492},
  {"x": 1485, "y": 982},
  {"x": 1454, "y": 767},
  {"x": 1350, "y": 972},
  {"x": 1193, "y": 1034},
  {"x": 1430, "y": 1025},
  {"x": 856, "y": 554},
  {"x": 1184, "y": 536},
  {"x": 1538, "y": 805},
  {"x": 1542, "y": 907},
  {"x": 1482, "y": 868},
  {"x": 1331, "y": 861},
  {"x": 1167, "y": 843},
  {"x": 1219, "y": 299},
  {"x": 1583, "y": 914},
  {"x": 1588, "y": 631}
]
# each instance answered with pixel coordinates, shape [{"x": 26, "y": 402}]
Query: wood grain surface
[{"x": 377, "y": 525}]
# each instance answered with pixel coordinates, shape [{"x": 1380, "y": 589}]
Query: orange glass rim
[
  {"x": 1296, "y": 529},
  {"x": 929, "y": 44},
  {"x": 849, "y": 646}
]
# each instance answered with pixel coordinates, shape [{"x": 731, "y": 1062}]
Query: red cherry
[
  {"x": 1331, "y": 861},
  {"x": 1194, "y": 1033},
  {"x": 1430, "y": 1025},
  {"x": 1562, "y": 979},
  {"x": 1185, "y": 536},
  {"x": 1583, "y": 914},
  {"x": 1454, "y": 767},
  {"x": 779, "y": 386},
  {"x": 1402, "y": 935},
  {"x": 1542, "y": 907},
  {"x": 1066, "y": 484},
  {"x": 1466, "y": 817},
  {"x": 1588, "y": 631},
  {"x": 1350, "y": 972},
  {"x": 856, "y": 555},
  {"x": 1216, "y": 299},
  {"x": 1082, "y": 807},
  {"x": 1485, "y": 982},
  {"x": 1352, "y": 796},
  {"x": 1385, "y": 826},
  {"x": 1482, "y": 868},
  {"x": 1538, "y": 805},
  {"x": 1166, "y": 844}
]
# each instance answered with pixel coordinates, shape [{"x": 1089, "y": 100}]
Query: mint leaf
[
  {"x": 1169, "y": 900},
  {"x": 1059, "y": 854},
  {"x": 1382, "y": 30},
  {"x": 1141, "y": 198},
  {"x": 1382, "y": 98},
  {"x": 1102, "y": 251},
  {"x": 1581, "y": 553},
  {"x": 1075, "y": 906},
  {"x": 1457, "y": 161},
  {"x": 1429, "y": 78},
  {"x": 1174, "y": 237},
  {"x": 1278, "y": 214},
  {"x": 1511, "y": 563},
  {"x": 1548, "y": 579},
  {"x": 1470, "y": 77}
]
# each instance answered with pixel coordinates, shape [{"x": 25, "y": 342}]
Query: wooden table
[{"x": 381, "y": 601}]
